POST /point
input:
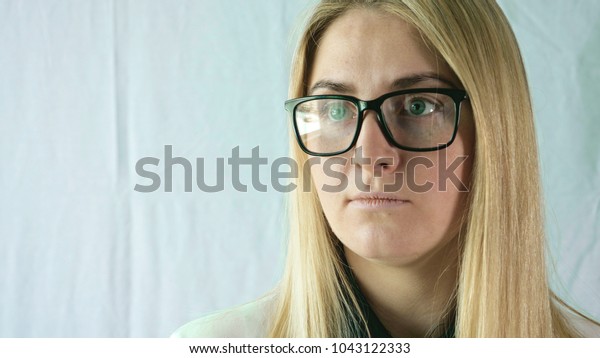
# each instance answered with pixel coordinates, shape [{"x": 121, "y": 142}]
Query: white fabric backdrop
[{"x": 87, "y": 88}]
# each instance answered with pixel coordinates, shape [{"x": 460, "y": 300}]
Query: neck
[{"x": 409, "y": 300}]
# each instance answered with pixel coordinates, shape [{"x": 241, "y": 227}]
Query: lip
[{"x": 377, "y": 201}]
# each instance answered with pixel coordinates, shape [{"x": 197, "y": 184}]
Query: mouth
[{"x": 377, "y": 201}]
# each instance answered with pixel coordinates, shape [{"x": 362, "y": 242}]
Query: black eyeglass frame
[{"x": 457, "y": 96}]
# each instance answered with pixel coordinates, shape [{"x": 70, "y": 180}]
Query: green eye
[
  {"x": 337, "y": 112},
  {"x": 418, "y": 107}
]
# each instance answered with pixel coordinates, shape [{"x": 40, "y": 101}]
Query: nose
[{"x": 378, "y": 155}]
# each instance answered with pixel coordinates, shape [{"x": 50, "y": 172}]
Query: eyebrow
[
  {"x": 331, "y": 85},
  {"x": 400, "y": 83}
]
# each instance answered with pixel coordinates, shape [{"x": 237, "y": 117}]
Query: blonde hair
[{"x": 502, "y": 288}]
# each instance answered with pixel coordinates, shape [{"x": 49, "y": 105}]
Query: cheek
[
  {"x": 329, "y": 175},
  {"x": 330, "y": 179},
  {"x": 444, "y": 204}
]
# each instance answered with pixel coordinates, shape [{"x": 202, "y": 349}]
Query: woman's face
[{"x": 365, "y": 53}]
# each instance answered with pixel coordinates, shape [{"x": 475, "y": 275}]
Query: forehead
[{"x": 369, "y": 49}]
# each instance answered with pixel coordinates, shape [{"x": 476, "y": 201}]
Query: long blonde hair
[{"x": 502, "y": 289}]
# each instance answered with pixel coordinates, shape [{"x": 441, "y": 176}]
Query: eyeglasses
[{"x": 418, "y": 120}]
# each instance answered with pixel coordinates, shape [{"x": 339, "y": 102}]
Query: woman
[{"x": 424, "y": 214}]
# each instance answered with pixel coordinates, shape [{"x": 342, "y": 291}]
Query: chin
[
  {"x": 391, "y": 248},
  {"x": 384, "y": 247}
]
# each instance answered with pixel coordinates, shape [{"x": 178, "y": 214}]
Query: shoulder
[{"x": 250, "y": 320}]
